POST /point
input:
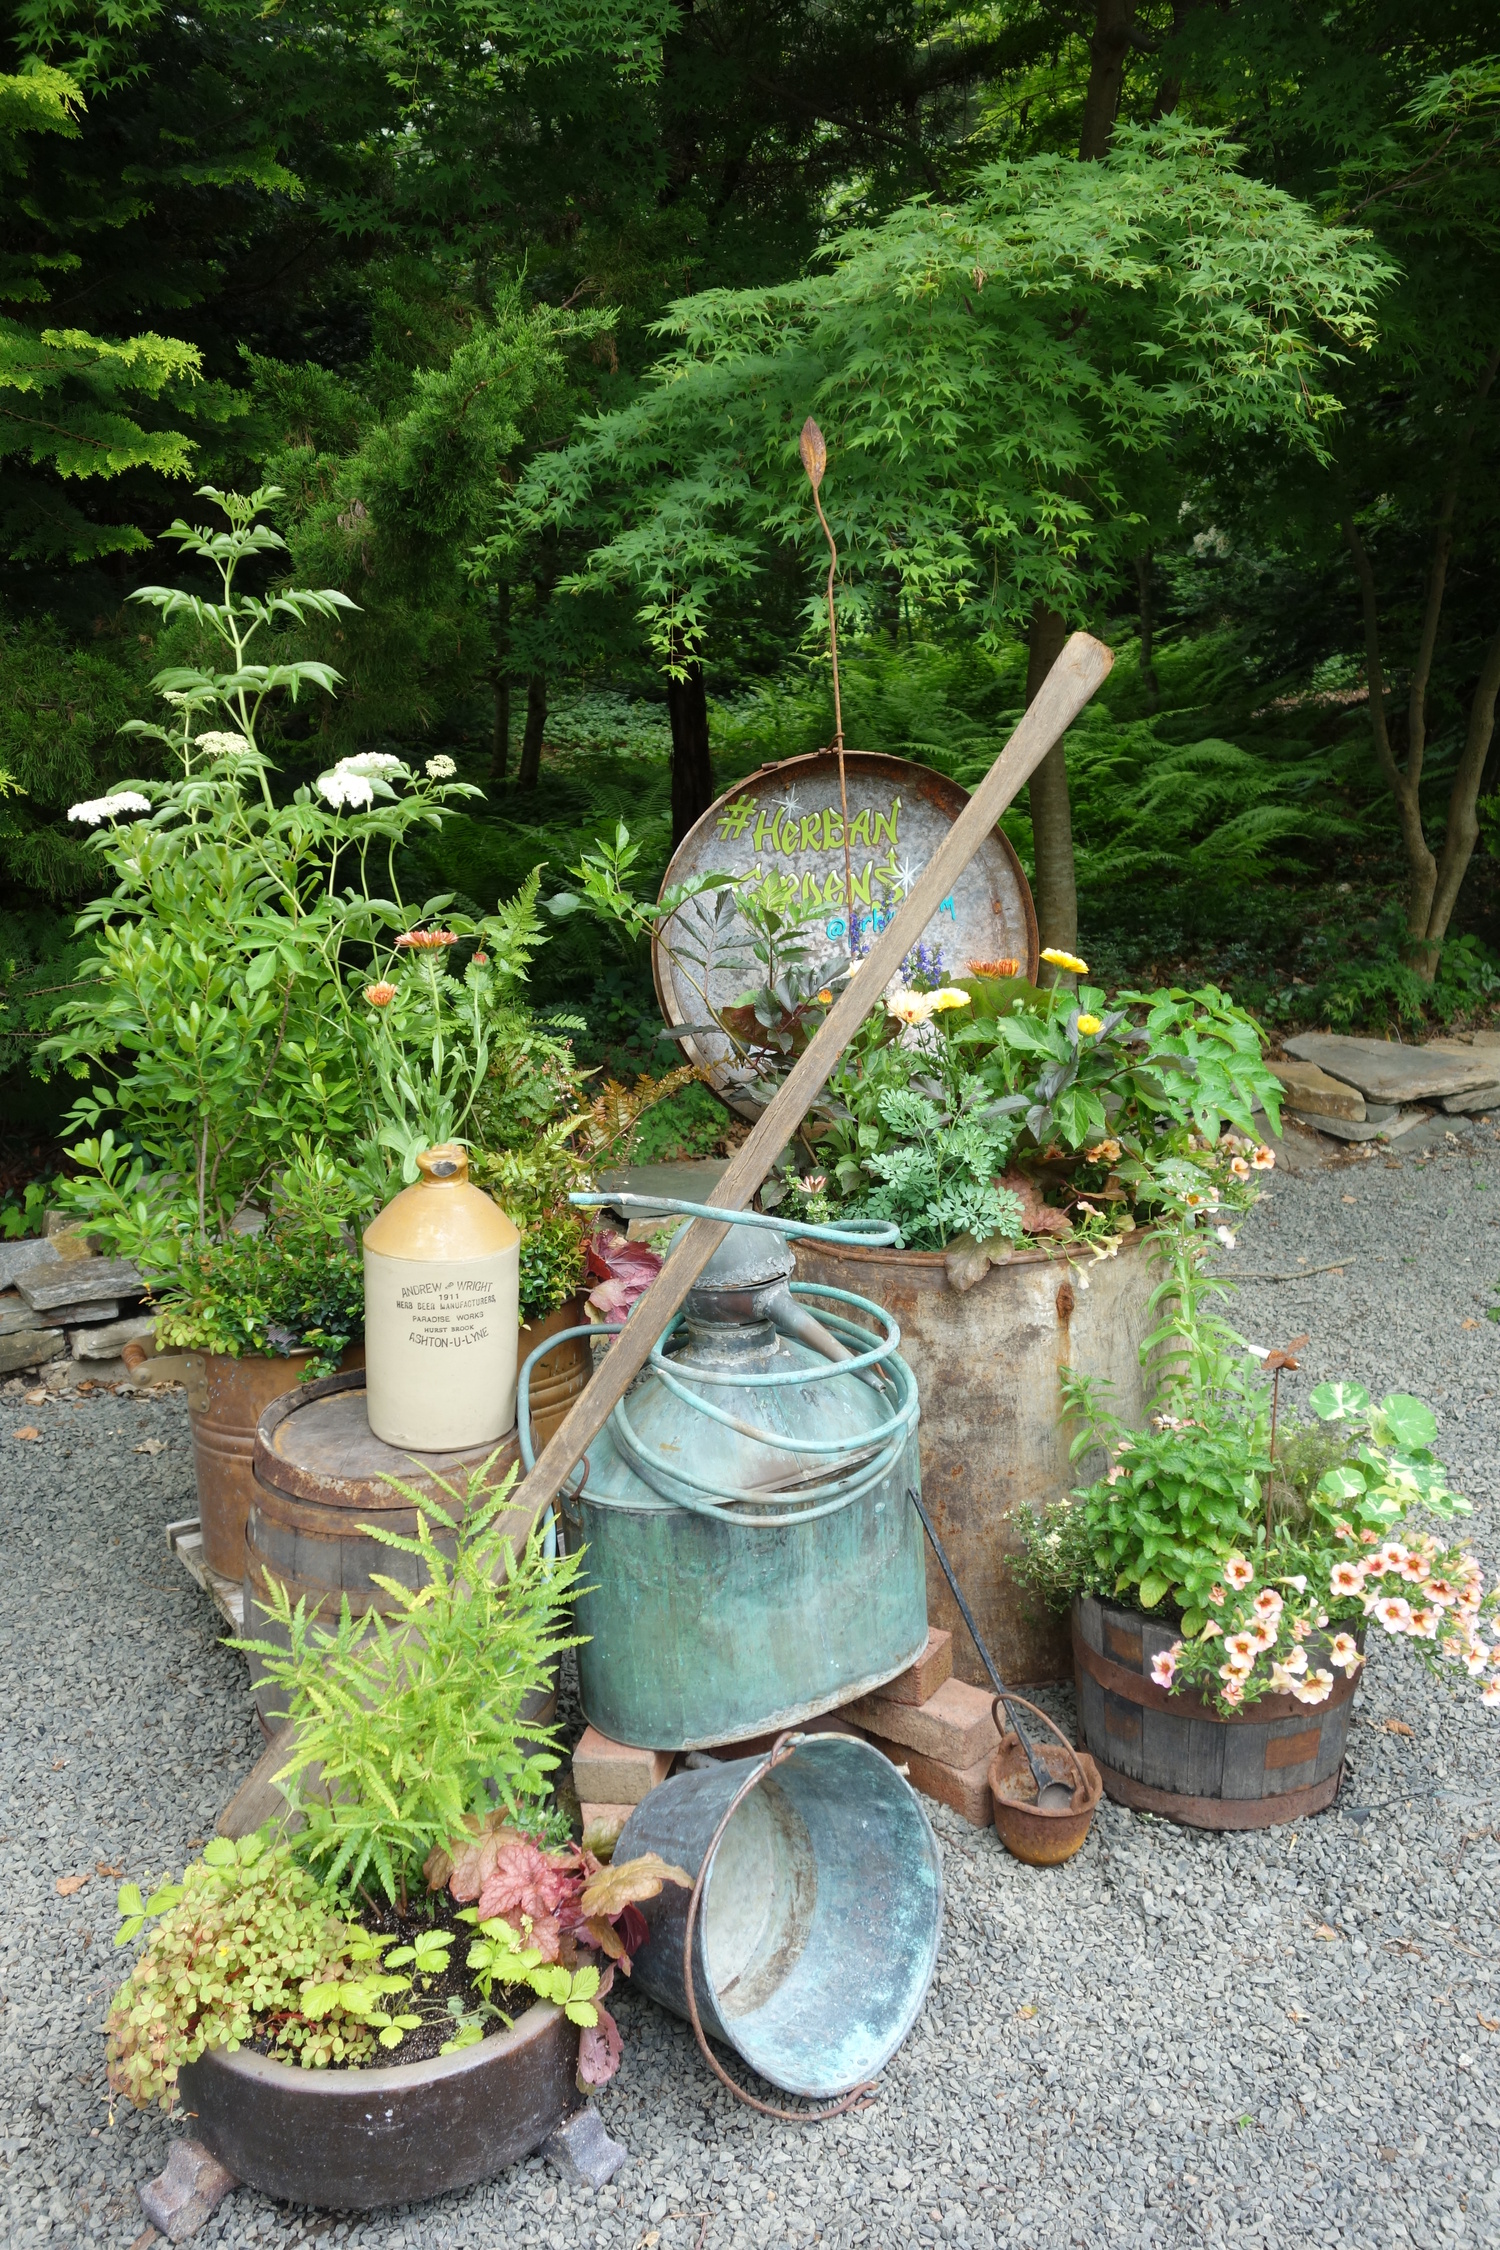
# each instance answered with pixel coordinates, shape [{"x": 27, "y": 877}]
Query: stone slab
[
  {"x": 1312, "y": 1093},
  {"x": 16, "y": 1314},
  {"x": 1391, "y": 1129},
  {"x": 15, "y": 1257},
  {"x": 74, "y": 1281},
  {"x": 32, "y": 1347},
  {"x": 105, "y": 1313},
  {"x": 183, "y": 2197},
  {"x": 1386, "y": 1071},
  {"x": 1472, "y": 1103},
  {"x": 108, "y": 1340},
  {"x": 583, "y": 2152}
]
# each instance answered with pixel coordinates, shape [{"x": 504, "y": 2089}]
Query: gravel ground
[{"x": 1283, "y": 2039}]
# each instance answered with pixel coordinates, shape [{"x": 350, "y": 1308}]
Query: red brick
[
  {"x": 965, "y": 1789},
  {"x": 602, "y": 1825},
  {"x": 954, "y": 1725},
  {"x": 615, "y": 1773},
  {"x": 756, "y": 1745},
  {"x": 926, "y": 1676}
]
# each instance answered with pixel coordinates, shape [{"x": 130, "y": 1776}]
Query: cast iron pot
[{"x": 347, "y": 2140}]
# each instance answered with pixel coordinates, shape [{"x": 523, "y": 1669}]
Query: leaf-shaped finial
[{"x": 813, "y": 451}]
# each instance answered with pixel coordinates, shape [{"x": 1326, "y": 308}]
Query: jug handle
[{"x": 781, "y": 1749}]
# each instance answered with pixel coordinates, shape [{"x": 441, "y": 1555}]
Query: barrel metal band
[
  {"x": 1136, "y": 1688},
  {"x": 1220, "y": 1812}
]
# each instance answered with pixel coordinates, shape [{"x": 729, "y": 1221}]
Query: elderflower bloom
[
  {"x": 441, "y": 768},
  {"x": 371, "y": 761},
  {"x": 1068, "y": 961},
  {"x": 96, "y": 809},
  {"x": 344, "y": 788},
  {"x": 221, "y": 745}
]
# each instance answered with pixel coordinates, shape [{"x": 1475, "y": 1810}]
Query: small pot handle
[{"x": 1010, "y": 1696}]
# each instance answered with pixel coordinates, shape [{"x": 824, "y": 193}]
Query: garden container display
[
  {"x": 819, "y": 1912},
  {"x": 442, "y": 1311},
  {"x": 226, "y": 1398},
  {"x": 987, "y": 1362},
  {"x": 752, "y": 1556},
  {"x": 348, "y": 2140},
  {"x": 1169, "y": 1752},
  {"x": 321, "y": 1472}
]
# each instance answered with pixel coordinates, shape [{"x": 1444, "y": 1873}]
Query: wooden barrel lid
[{"x": 316, "y": 1444}]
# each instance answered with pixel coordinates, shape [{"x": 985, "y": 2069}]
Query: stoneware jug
[{"x": 442, "y": 1312}]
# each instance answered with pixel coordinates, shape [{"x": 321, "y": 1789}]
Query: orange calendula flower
[
  {"x": 824, "y": 997},
  {"x": 426, "y": 941},
  {"x": 380, "y": 995},
  {"x": 1005, "y": 968}
]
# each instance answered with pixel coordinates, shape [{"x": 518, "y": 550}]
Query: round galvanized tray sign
[{"x": 785, "y": 823}]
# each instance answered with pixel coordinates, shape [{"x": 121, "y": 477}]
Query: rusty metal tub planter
[
  {"x": 226, "y": 1398},
  {"x": 350, "y": 2140},
  {"x": 1173, "y": 1754},
  {"x": 992, "y": 1438}
]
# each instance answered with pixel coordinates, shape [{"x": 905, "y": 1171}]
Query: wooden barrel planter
[
  {"x": 563, "y": 1374},
  {"x": 1171, "y": 1753},
  {"x": 226, "y": 1398},
  {"x": 350, "y": 2140},
  {"x": 320, "y": 1472},
  {"x": 992, "y": 1438}
]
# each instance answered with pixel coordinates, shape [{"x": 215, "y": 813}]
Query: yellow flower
[
  {"x": 1068, "y": 961},
  {"x": 1089, "y": 1026},
  {"x": 949, "y": 997},
  {"x": 824, "y": 997},
  {"x": 910, "y": 1007}
]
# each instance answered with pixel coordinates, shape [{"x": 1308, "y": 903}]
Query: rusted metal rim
[
  {"x": 935, "y": 1260},
  {"x": 1134, "y": 1687},
  {"x": 370, "y": 1494},
  {"x": 1220, "y": 1812}
]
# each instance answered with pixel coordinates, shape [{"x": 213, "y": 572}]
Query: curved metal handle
[
  {"x": 1004, "y": 1702},
  {"x": 780, "y": 1750},
  {"x": 854, "y": 1234}
]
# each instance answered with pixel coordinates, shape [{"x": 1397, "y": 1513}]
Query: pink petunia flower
[
  {"x": 1316, "y": 1688},
  {"x": 1163, "y": 1668},
  {"x": 1239, "y": 1573},
  {"x": 1393, "y": 1613},
  {"x": 1268, "y": 1605},
  {"x": 1346, "y": 1579}
]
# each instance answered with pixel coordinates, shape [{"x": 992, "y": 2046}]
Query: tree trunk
[
  {"x": 1433, "y": 879},
  {"x": 500, "y": 688},
  {"x": 1055, "y": 884},
  {"x": 1109, "y": 50},
  {"x": 536, "y": 728},
  {"x": 692, "y": 764},
  {"x": 1149, "y": 680}
]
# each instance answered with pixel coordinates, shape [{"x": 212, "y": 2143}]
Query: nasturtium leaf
[
  {"x": 1342, "y": 1482},
  {"x": 1408, "y": 1422},
  {"x": 1339, "y": 1402}
]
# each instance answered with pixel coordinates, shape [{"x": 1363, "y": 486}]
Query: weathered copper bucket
[{"x": 226, "y": 1399}]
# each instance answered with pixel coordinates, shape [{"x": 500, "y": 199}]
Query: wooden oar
[{"x": 1083, "y": 665}]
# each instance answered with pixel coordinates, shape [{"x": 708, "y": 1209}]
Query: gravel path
[{"x": 1178, "y": 2038}]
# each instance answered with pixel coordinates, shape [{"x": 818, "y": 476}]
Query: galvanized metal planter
[
  {"x": 752, "y": 1556},
  {"x": 820, "y": 1915},
  {"x": 987, "y": 1362},
  {"x": 1172, "y": 1753},
  {"x": 350, "y": 2140}
]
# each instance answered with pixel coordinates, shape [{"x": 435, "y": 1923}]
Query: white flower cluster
[
  {"x": 107, "y": 808},
  {"x": 221, "y": 745},
  {"x": 342, "y": 787},
  {"x": 371, "y": 761},
  {"x": 441, "y": 769}
]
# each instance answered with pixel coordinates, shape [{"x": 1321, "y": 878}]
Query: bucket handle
[
  {"x": 1010, "y": 1696},
  {"x": 781, "y": 1749}
]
